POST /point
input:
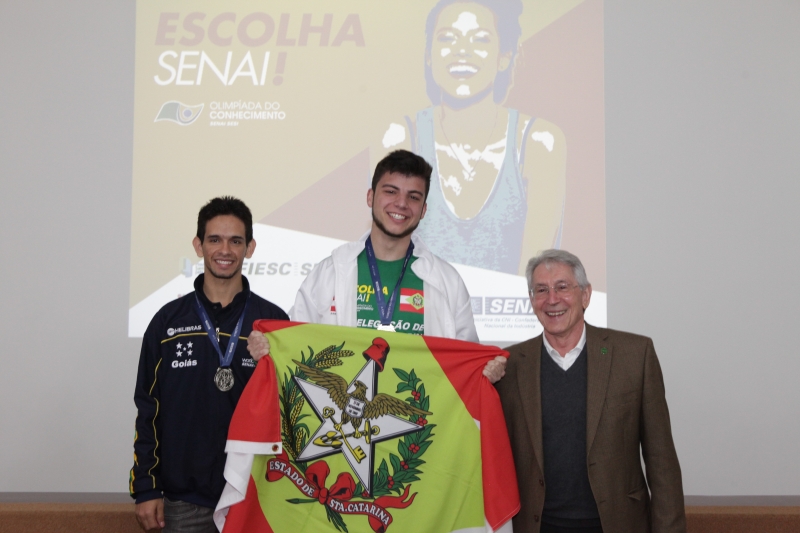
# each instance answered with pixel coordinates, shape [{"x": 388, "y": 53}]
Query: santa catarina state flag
[
  {"x": 412, "y": 301},
  {"x": 358, "y": 430}
]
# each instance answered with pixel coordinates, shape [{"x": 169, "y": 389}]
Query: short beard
[{"x": 401, "y": 235}]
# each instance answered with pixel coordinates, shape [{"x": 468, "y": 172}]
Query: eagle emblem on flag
[{"x": 341, "y": 408}]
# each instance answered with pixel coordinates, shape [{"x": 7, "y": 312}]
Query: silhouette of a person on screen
[{"x": 497, "y": 190}]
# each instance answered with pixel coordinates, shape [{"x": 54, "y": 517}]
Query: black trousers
[{"x": 547, "y": 528}]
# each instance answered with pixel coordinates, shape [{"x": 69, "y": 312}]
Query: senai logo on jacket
[{"x": 179, "y": 113}]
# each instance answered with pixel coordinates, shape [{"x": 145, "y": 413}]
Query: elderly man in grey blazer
[{"x": 580, "y": 403}]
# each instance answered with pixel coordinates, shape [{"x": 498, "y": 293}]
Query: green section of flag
[{"x": 449, "y": 493}]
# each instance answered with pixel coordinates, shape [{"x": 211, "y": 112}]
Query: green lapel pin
[{"x": 604, "y": 350}]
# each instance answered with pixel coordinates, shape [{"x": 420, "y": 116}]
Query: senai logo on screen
[{"x": 179, "y": 113}]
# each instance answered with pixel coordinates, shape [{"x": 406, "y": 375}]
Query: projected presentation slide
[{"x": 289, "y": 105}]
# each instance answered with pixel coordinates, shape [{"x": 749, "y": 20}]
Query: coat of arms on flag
[{"x": 343, "y": 430}]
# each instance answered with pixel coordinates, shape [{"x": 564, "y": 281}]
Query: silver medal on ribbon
[{"x": 224, "y": 379}]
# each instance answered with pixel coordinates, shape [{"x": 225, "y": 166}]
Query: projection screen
[{"x": 289, "y": 105}]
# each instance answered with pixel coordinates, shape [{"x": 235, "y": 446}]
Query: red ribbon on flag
[
  {"x": 397, "y": 502},
  {"x": 338, "y": 496}
]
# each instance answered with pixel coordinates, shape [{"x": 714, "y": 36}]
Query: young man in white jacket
[
  {"x": 328, "y": 294},
  {"x": 389, "y": 280}
]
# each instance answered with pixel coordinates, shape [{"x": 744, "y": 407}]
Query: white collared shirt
[{"x": 566, "y": 361}]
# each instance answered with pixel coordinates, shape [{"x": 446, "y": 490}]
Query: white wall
[
  {"x": 703, "y": 177},
  {"x": 67, "y": 368},
  {"x": 703, "y": 107}
]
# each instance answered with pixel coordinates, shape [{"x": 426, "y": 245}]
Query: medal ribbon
[
  {"x": 384, "y": 310},
  {"x": 224, "y": 360}
]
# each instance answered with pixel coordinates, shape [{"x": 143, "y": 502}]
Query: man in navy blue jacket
[{"x": 192, "y": 371}]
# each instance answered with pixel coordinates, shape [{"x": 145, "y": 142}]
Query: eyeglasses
[{"x": 563, "y": 289}]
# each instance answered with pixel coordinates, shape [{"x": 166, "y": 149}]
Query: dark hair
[
  {"x": 506, "y": 13},
  {"x": 225, "y": 205},
  {"x": 405, "y": 163}
]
